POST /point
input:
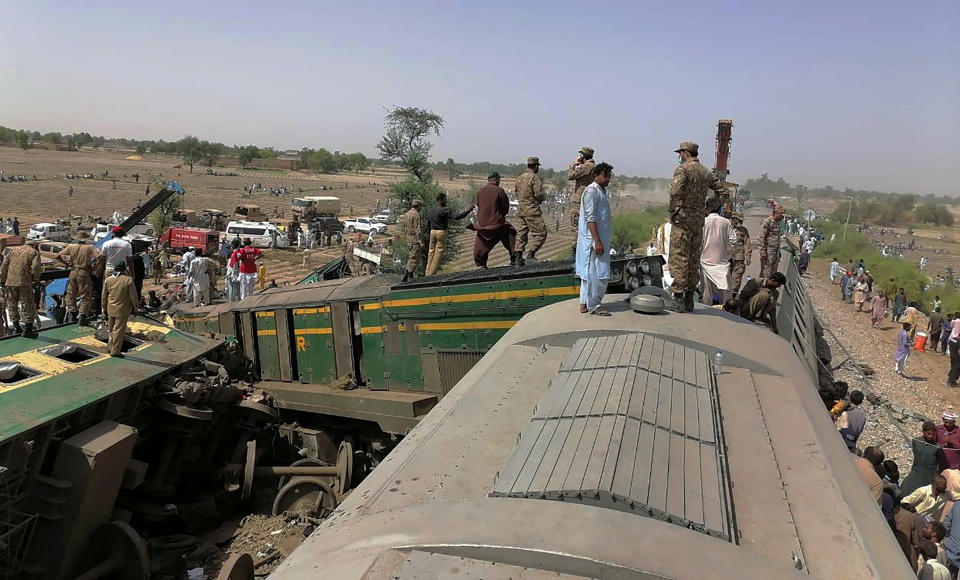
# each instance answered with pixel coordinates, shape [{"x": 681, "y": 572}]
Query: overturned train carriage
[{"x": 372, "y": 349}]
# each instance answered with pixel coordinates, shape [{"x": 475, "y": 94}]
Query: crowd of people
[{"x": 921, "y": 508}]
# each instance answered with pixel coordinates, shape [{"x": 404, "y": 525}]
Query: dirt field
[{"x": 46, "y": 198}]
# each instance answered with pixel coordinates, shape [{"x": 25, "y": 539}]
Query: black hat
[{"x": 494, "y": 175}]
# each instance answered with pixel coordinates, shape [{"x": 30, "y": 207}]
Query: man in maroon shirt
[
  {"x": 492, "y": 226},
  {"x": 948, "y": 438}
]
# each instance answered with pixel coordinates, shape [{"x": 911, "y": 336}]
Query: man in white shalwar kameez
[
  {"x": 200, "y": 268},
  {"x": 594, "y": 235},
  {"x": 718, "y": 234}
]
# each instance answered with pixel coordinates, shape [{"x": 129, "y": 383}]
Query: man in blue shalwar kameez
[{"x": 594, "y": 235}]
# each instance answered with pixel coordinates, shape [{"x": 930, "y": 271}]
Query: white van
[
  {"x": 48, "y": 231},
  {"x": 262, "y": 234}
]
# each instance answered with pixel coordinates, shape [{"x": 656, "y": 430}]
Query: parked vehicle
[
  {"x": 186, "y": 217},
  {"x": 262, "y": 234},
  {"x": 48, "y": 231},
  {"x": 387, "y": 216},
  {"x": 364, "y": 225},
  {"x": 248, "y": 212},
  {"x": 307, "y": 208},
  {"x": 181, "y": 238}
]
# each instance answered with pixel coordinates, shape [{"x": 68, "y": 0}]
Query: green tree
[
  {"x": 23, "y": 140},
  {"x": 359, "y": 162},
  {"x": 406, "y": 139},
  {"x": 190, "y": 150},
  {"x": 246, "y": 154},
  {"x": 451, "y": 168},
  {"x": 141, "y": 149},
  {"x": 209, "y": 152},
  {"x": 162, "y": 217}
]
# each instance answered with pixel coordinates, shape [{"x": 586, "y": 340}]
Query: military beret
[
  {"x": 533, "y": 161},
  {"x": 688, "y": 146},
  {"x": 587, "y": 151}
]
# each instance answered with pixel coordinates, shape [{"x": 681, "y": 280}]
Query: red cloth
[{"x": 246, "y": 256}]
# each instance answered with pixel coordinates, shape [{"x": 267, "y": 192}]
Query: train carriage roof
[{"x": 588, "y": 446}]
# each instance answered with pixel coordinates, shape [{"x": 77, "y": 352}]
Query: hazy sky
[{"x": 862, "y": 94}]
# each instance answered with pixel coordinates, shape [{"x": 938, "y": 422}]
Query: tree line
[
  {"x": 191, "y": 150},
  {"x": 764, "y": 185},
  {"x": 894, "y": 210}
]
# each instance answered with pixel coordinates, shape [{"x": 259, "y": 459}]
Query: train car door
[
  {"x": 267, "y": 348},
  {"x": 342, "y": 321},
  {"x": 313, "y": 337}
]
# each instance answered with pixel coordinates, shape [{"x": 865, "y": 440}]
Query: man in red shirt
[
  {"x": 247, "y": 256},
  {"x": 492, "y": 226}
]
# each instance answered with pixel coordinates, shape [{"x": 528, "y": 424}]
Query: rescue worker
[
  {"x": 768, "y": 242},
  {"x": 200, "y": 271},
  {"x": 80, "y": 258},
  {"x": 411, "y": 232},
  {"x": 530, "y": 195},
  {"x": 19, "y": 274},
  {"x": 580, "y": 172},
  {"x": 118, "y": 303},
  {"x": 439, "y": 217},
  {"x": 492, "y": 226},
  {"x": 740, "y": 254},
  {"x": 688, "y": 193}
]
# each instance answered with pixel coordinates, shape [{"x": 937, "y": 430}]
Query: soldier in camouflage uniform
[
  {"x": 529, "y": 197},
  {"x": 581, "y": 173},
  {"x": 741, "y": 252},
  {"x": 18, "y": 275},
  {"x": 688, "y": 193},
  {"x": 768, "y": 241},
  {"x": 411, "y": 232}
]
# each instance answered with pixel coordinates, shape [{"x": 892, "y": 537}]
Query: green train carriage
[{"x": 373, "y": 349}]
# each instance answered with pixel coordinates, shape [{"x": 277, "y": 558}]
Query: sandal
[
  {"x": 601, "y": 312},
  {"x": 583, "y": 309}
]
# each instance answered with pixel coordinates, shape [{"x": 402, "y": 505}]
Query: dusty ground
[{"x": 47, "y": 199}]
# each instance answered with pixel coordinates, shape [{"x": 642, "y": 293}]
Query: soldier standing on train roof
[
  {"x": 411, "y": 233},
  {"x": 581, "y": 173},
  {"x": 768, "y": 241},
  {"x": 529, "y": 191},
  {"x": 80, "y": 258},
  {"x": 688, "y": 193},
  {"x": 741, "y": 253},
  {"x": 18, "y": 275}
]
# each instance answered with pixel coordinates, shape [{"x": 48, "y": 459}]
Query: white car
[
  {"x": 387, "y": 216},
  {"x": 364, "y": 225},
  {"x": 48, "y": 231},
  {"x": 261, "y": 234}
]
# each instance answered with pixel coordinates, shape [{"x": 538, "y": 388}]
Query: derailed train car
[
  {"x": 371, "y": 349},
  {"x": 589, "y": 447}
]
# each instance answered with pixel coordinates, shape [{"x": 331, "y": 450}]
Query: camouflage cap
[
  {"x": 417, "y": 202},
  {"x": 494, "y": 175},
  {"x": 736, "y": 216},
  {"x": 533, "y": 161},
  {"x": 688, "y": 146},
  {"x": 587, "y": 152}
]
